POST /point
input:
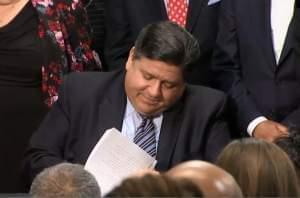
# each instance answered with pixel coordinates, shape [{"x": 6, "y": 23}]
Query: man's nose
[{"x": 155, "y": 89}]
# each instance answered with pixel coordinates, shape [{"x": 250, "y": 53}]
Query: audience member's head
[
  {"x": 212, "y": 180},
  {"x": 291, "y": 145},
  {"x": 155, "y": 185},
  {"x": 261, "y": 168},
  {"x": 65, "y": 180}
]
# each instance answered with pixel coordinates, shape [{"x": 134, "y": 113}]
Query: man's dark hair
[
  {"x": 65, "y": 180},
  {"x": 168, "y": 42},
  {"x": 291, "y": 145}
]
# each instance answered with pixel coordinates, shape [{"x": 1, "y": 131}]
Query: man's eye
[
  {"x": 147, "y": 76},
  {"x": 168, "y": 85}
]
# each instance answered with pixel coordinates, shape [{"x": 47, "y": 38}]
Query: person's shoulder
[
  {"x": 198, "y": 91},
  {"x": 92, "y": 75},
  {"x": 83, "y": 87},
  {"x": 92, "y": 80},
  {"x": 197, "y": 96},
  {"x": 202, "y": 101}
]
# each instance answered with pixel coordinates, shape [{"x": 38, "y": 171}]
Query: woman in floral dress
[{"x": 40, "y": 42}]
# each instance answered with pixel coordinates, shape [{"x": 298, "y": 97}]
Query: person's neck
[{"x": 9, "y": 9}]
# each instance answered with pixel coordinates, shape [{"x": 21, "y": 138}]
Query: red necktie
[{"x": 177, "y": 11}]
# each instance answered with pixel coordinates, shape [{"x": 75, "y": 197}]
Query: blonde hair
[{"x": 260, "y": 168}]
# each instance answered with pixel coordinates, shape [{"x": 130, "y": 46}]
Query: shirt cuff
[{"x": 254, "y": 123}]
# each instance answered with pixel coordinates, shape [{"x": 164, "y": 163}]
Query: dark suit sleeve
[
  {"x": 227, "y": 67},
  {"x": 218, "y": 135},
  {"x": 118, "y": 40},
  {"x": 293, "y": 119},
  {"x": 46, "y": 147}
]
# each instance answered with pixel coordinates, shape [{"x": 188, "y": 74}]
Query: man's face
[{"x": 152, "y": 86}]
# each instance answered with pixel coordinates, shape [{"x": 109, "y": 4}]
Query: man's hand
[{"x": 270, "y": 130}]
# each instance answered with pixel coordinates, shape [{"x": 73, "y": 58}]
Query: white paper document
[{"x": 114, "y": 158}]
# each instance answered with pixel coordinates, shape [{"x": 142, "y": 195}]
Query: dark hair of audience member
[
  {"x": 155, "y": 186},
  {"x": 261, "y": 168},
  {"x": 166, "y": 41},
  {"x": 65, "y": 180},
  {"x": 291, "y": 145}
]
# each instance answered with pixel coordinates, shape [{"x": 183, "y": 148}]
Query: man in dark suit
[
  {"x": 189, "y": 121},
  {"x": 124, "y": 20},
  {"x": 255, "y": 63}
]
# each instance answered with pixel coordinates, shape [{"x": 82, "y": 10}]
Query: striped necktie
[{"x": 145, "y": 136}]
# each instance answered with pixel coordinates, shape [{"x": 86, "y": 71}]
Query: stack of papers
[{"x": 114, "y": 158}]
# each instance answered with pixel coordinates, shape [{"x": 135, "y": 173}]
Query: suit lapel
[
  {"x": 168, "y": 135},
  {"x": 264, "y": 34},
  {"x": 112, "y": 107},
  {"x": 194, "y": 9},
  {"x": 159, "y": 8},
  {"x": 163, "y": 10},
  {"x": 288, "y": 44}
]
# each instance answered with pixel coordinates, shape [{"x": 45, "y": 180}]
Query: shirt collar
[{"x": 130, "y": 111}]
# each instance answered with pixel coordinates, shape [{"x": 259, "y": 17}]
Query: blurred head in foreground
[
  {"x": 65, "y": 180},
  {"x": 261, "y": 168},
  {"x": 212, "y": 180},
  {"x": 155, "y": 185}
]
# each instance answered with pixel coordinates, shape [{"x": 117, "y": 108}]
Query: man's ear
[{"x": 130, "y": 58}]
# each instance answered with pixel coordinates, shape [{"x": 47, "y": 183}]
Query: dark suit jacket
[
  {"x": 297, "y": 30},
  {"x": 90, "y": 103},
  {"x": 125, "y": 19},
  {"x": 246, "y": 68}
]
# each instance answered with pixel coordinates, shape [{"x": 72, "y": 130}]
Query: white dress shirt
[{"x": 281, "y": 15}]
